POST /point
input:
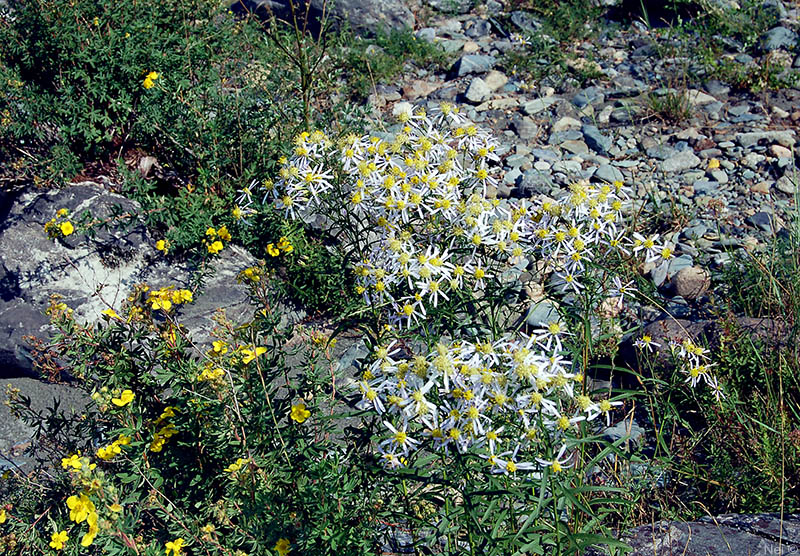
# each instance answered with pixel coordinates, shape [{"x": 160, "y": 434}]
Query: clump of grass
[
  {"x": 365, "y": 63},
  {"x": 671, "y": 105}
]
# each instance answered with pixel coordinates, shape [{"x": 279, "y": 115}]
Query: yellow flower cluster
[
  {"x": 234, "y": 468},
  {"x": 81, "y": 508},
  {"x": 107, "y": 453},
  {"x": 163, "y": 245},
  {"x": 165, "y": 298},
  {"x": 60, "y": 226},
  {"x": 252, "y": 274},
  {"x": 58, "y": 539},
  {"x": 77, "y": 463},
  {"x": 164, "y": 433},
  {"x": 211, "y": 373},
  {"x": 150, "y": 80},
  {"x": 283, "y": 246},
  {"x": 214, "y": 239}
]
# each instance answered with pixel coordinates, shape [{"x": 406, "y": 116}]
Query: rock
[
  {"x": 480, "y": 28},
  {"x": 419, "y": 89},
  {"x": 525, "y": 21},
  {"x": 590, "y": 95},
  {"x": 566, "y": 123},
  {"x": 96, "y": 273},
  {"x": 451, "y": 6},
  {"x": 540, "y": 313},
  {"x": 717, "y": 536},
  {"x": 596, "y": 141},
  {"x": 427, "y": 34},
  {"x": 787, "y": 184},
  {"x": 525, "y": 128},
  {"x": 777, "y": 38},
  {"x": 533, "y": 107},
  {"x": 609, "y": 173},
  {"x": 575, "y": 147},
  {"x": 473, "y": 63},
  {"x": 478, "y": 91},
  {"x": 684, "y": 160},
  {"x": 629, "y": 430},
  {"x": 495, "y": 79},
  {"x": 780, "y": 151},
  {"x": 691, "y": 282},
  {"x": 362, "y": 15},
  {"x": 785, "y": 138},
  {"x": 761, "y": 220},
  {"x": 699, "y": 98}
]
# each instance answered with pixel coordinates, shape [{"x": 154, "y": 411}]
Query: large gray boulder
[
  {"x": 96, "y": 273},
  {"x": 361, "y": 15},
  {"x": 724, "y": 535}
]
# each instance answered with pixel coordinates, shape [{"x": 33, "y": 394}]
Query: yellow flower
[
  {"x": 149, "y": 80},
  {"x": 116, "y": 508},
  {"x": 80, "y": 508},
  {"x": 215, "y": 247},
  {"x": 285, "y": 246},
  {"x": 111, "y": 313},
  {"x": 3, "y": 516},
  {"x": 124, "y": 399},
  {"x": 176, "y": 547},
  {"x": 299, "y": 412},
  {"x": 66, "y": 228},
  {"x": 223, "y": 234},
  {"x": 250, "y": 354},
  {"x": 282, "y": 547},
  {"x": 63, "y": 212},
  {"x": 162, "y": 245},
  {"x": 57, "y": 540},
  {"x": 272, "y": 250},
  {"x": 73, "y": 461}
]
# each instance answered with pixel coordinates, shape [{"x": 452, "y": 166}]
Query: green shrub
[{"x": 186, "y": 82}]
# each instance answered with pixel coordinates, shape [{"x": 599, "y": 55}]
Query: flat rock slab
[
  {"x": 725, "y": 535},
  {"x": 96, "y": 273}
]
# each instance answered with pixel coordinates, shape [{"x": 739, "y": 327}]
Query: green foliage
[
  {"x": 232, "y": 451},
  {"x": 365, "y": 63},
  {"x": 75, "y": 85}
]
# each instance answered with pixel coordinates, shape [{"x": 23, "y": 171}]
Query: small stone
[
  {"x": 590, "y": 95},
  {"x": 719, "y": 175},
  {"x": 787, "y": 184},
  {"x": 566, "y": 123},
  {"x": 575, "y": 147},
  {"x": 780, "y": 112},
  {"x": 684, "y": 160},
  {"x": 526, "y": 128},
  {"x": 539, "y": 105},
  {"x": 478, "y": 91},
  {"x": 541, "y": 313},
  {"x": 609, "y": 173},
  {"x": 596, "y": 141},
  {"x": 511, "y": 176},
  {"x": 785, "y": 138},
  {"x": 761, "y": 187},
  {"x": 699, "y": 98},
  {"x": 691, "y": 282},
  {"x": 495, "y": 79},
  {"x": 427, "y": 34},
  {"x": 541, "y": 165},
  {"x": 471, "y": 47},
  {"x": 762, "y": 220},
  {"x": 778, "y": 37},
  {"x": 473, "y": 63},
  {"x": 780, "y": 151}
]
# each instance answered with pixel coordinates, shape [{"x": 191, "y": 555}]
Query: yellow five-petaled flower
[
  {"x": 176, "y": 547},
  {"x": 57, "y": 540},
  {"x": 299, "y": 412},
  {"x": 282, "y": 547},
  {"x": 124, "y": 399}
]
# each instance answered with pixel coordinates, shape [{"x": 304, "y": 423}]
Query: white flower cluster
[
  {"x": 498, "y": 399},
  {"x": 424, "y": 193}
]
